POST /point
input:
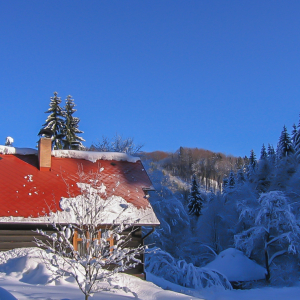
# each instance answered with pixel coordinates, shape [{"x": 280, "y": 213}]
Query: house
[{"x": 34, "y": 182}]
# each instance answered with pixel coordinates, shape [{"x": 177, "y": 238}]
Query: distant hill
[{"x": 210, "y": 167}]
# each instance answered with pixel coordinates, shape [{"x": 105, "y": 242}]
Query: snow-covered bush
[
  {"x": 103, "y": 249},
  {"x": 162, "y": 264}
]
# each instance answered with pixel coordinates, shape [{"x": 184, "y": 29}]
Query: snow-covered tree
[
  {"x": 263, "y": 153},
  {"x": 296, "y": 140},
  {"x": 240, "y": 176},
  {"x": 252, "y": 159},
  {"x": 70, "y": 130},
  {"x": 271, "y": 154},
  {"x": 231, "y": 180},
  {"x": 285, "y": 146},
  {"x": 103, "y": 250},
  {"x": 275, "y": 230},
  {"x": 214, "y": 227},
  {"x": 195, "y": 200},
  {"x": 55, "y": 121},
  {"x": 294, "y": 134},
  {"x": 117, "y": 144}
]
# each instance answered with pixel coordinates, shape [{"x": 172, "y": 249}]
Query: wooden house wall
[
  {"x": 135, "y": 240},
  {"x": 22, "y": 235}
]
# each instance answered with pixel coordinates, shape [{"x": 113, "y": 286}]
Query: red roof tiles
[{"x": 27, "y": 192}]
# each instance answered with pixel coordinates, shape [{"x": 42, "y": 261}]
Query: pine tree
[
  {"x": 271, "y": 154},
  {"x": 252, "y": 159},
  {"x": 285, "y": 146},
  {"x": 224, "y": 184},
  {"x": 231, "y": 180},
  {"x": 70, "y": 130},
  {"x": 240, "y": 176},
  {"x": 263, "y": 153},
  {"x": 296, "y": 140},
  {"x": 55, "y": 121},
  {"x": 195, "y": 200},
  {"x": 294, "y": 133}
]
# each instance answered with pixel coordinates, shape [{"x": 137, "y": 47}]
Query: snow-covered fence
[{"x": 162, "y": 264}]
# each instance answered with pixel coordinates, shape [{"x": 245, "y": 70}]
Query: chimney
[{"x": 44, "y": 153}]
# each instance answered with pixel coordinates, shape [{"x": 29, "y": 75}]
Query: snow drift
[{"x": 236, "y": 266}]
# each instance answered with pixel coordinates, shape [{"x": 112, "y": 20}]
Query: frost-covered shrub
[
  {"x": 162, "y": 264},
  {"x": 285, "y": 271},
  {"x": 104, "y": 250},
  {"x": 275, "y": 231}
]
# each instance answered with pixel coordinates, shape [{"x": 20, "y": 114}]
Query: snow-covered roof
[
  {"x": 13, "y": 150},
  {"x": 236, "y": 266},
  {"x": 87, "y": 155},
  {"x": 26, "y": 193}
]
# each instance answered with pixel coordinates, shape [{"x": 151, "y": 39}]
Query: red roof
[{"x": 28, "y": 192}]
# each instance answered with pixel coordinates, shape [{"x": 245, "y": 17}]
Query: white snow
[
  {"x": 9, "y": 141},
  {"x": 13, "y": 150},
  {"x": 236, "y": 266},
  {"x": 24, "y": 276},
  {"x": 114, "y": 209},
  {"x": 87, "y": 155},
  {"x": 94, "y": 156}
]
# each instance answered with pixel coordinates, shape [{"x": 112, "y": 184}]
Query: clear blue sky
[{"x": 219, "y": 75}]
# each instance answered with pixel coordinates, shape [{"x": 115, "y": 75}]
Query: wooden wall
[{"x": 22, "y": 235}]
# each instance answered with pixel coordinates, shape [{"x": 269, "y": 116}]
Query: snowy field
[{"x": 23, "y": 276}]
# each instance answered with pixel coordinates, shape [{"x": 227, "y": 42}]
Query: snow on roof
[
  {"x": 117, "y": 211},
  {"x": 87, "y": 155},
  {"x": 13, "y": 150},
  {"x": 94, "y": 156},
  {"x": 113, "y": 210},
  {"x": 236, "y": 266}
]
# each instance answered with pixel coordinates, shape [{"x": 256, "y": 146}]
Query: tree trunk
[
  {"x": 268, "y": 275},
  {"x": 86, "y": 297},
  {"x": 267, "y": 266}
]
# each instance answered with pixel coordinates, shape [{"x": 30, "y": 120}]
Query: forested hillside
[
  {"x": 257, "y": 210},
  {"x": 209, "y": 167}
]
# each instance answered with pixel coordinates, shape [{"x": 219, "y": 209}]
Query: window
[{"x": 79, "y": 246}]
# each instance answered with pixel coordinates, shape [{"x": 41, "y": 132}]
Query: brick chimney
[{"x": 44, "y": 154}]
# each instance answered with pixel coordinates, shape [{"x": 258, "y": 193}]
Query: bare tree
[{"x": 117, "y": 144}]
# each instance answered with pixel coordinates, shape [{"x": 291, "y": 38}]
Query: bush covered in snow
[{"x": 162, "y": 264}]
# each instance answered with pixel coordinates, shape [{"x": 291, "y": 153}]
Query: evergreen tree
[
  {"x": 285, "y": 146},
  {"x": 252, "y": 159},
  {"x": 71, "y": 140},
  {"x": 231, "y": 180},
  {"x": 296, "y": 140},
  {"x": 195, "y": 203},
  {"x": 240, "y": 178},
  {"x": 271, "y": 154},
  {"x": 263, "y": 153},
  {"x": 55, "y": 121},
  {"x": 251, "y": 168},
  {"x": 294, "y": 133},
  {"x": 224, "y": 184}
]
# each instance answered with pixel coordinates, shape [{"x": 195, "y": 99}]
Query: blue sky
[{"x": 219, "y": 75}]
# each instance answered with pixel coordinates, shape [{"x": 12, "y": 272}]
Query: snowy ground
[{"x": 24, "y": 277}]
